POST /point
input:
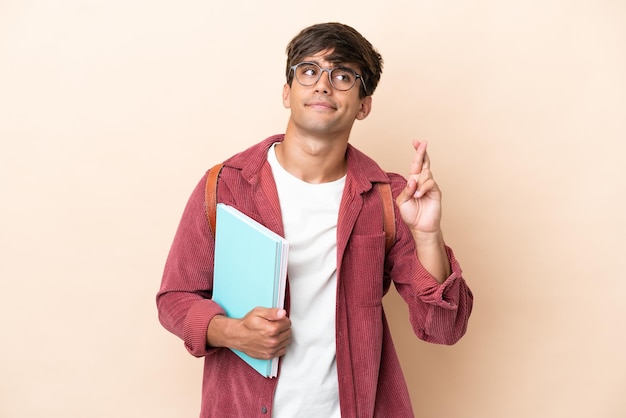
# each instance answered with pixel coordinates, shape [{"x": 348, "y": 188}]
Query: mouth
[{"x": 320, "y": 105}]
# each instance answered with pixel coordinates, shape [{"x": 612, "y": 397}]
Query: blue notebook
[{"x": 250, "y": 271}]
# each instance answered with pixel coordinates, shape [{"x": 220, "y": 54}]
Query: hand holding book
[{"x": 263, "y": 333}]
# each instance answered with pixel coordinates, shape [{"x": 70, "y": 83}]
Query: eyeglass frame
[{"x": 329, "y": 71}]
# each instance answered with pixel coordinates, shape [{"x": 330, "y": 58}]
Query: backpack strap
[
  {"x": 384, "y": 189},
  {"x": 389, "y": 218},
  {"x": 210, "y": 194}
]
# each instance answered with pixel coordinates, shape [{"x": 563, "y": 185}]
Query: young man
[{"x": 312, "y": 187}]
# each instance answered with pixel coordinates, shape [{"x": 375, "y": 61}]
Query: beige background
[{"x": 110, "y": 111}]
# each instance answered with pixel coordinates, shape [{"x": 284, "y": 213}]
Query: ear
[
  {"x": 287, "y": 96},
  {"x": 365, "y": 109}
]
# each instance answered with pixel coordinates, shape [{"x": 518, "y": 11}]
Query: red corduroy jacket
[{"x": 371, "y": 383}]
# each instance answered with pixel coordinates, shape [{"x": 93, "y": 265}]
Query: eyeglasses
[{"x": 341, "y": 78}]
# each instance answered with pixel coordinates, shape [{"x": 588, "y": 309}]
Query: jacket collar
[{"x": 362, "y": 170}]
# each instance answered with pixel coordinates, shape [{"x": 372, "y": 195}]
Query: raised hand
[
  {"x": 420, "y": 201},
  {"x": 420, "y": 208}
]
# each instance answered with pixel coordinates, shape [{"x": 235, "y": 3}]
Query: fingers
[
  {"x": 425, "y": 183},
  {"x": 420, "y": 180},
  {"x": 274, "y": 344},
  {"x": 426, "y": 163},
  {"x": 417, "y": 186},
  {"x": 268, "y": 333},
  {"x": 420, "y": 158},
  {"x": 426, "y": 187}
]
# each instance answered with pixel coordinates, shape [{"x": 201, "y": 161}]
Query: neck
[{"x": 313, "y": 159}]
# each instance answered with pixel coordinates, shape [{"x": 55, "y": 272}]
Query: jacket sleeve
[
  {"x": 183, "y": 301},
  {"x": 439, "y": 313}
]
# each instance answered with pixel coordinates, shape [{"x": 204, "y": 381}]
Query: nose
[{"x": 324, "y": 85}]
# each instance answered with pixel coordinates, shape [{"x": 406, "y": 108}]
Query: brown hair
[{"x": 347, "y": 46}]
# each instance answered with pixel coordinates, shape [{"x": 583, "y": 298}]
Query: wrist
[
  {"x": 431, "y": 252},
  {"x": 431, "y": 238},
  {"x": 217, "y": 331}
]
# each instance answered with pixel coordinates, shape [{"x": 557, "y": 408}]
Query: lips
[{"x": 321, "y": 104}]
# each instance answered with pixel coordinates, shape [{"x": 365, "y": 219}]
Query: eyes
[
  {"x": 341, "y": 75},
  {"x": 341, "y": 78}
]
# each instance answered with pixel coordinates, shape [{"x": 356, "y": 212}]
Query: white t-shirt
[{"x": 307, "y": 383}]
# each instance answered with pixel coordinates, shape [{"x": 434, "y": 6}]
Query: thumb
[
  {"x": 272, "y": 314},
  {"x": 279, "y": 313},
  {"x": 408, "y": 192}
]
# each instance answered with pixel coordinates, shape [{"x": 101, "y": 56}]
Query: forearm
[{"x": 431, "y": 252}]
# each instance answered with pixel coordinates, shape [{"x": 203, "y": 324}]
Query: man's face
[{"x": 321, "y": 109}]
